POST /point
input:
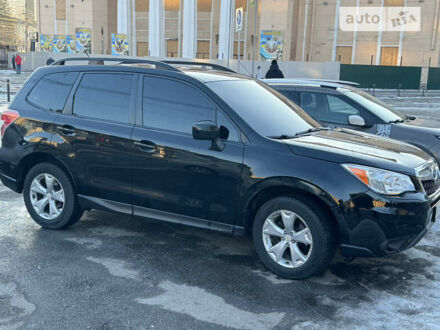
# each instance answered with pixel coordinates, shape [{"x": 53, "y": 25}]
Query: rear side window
[
  {"x": 51, "y": 92},
  {"x": 173, "y": 105},
  {"x": 104, "y": 96}
]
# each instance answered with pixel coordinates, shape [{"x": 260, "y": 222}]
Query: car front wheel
[{"x": 292, "y": 239}]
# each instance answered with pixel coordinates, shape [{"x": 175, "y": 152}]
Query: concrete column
[
  {"x": 123, "y": 16},
  {"x": 225, "y": 46},
  {"x": 156, "y": 29},
  {"x": 189, "y": 42}
]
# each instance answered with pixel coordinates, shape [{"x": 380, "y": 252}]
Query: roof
[
  {"x": 202, "y": 71},
  {"x": 311, "y": 82}
]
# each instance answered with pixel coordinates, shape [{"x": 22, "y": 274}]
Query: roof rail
[
  {"x": 202, "y": 64},
  {"x": 100, "y": 61}
]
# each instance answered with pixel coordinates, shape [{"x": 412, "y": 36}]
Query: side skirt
[{"x": 89, "y": 202}]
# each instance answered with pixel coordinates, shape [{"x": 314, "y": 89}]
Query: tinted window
[
  {"x": 261, "y": 108},
  {"x": 104, "y": 96},
  {"x": 52, "y": 90},
  {"x": 327, "y": 108},
  {"x": 291, "y": 95},
  {"x": 222, "y": 120},
  {"x": 173, "y": 105}
]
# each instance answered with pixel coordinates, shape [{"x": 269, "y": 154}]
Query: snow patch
[
  {"x": 113, "y": 232},
  {"x": 117, "y": 267},
  {"x": 207, "y": 307},
  {"x": 9, "y": 293},
  {"x": 89, "y": 243}
]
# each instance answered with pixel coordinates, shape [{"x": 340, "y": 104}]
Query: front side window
[
  {"x": 104, "y": 96},
  {"x": 51, "y": 92},
  {"x": 373, "y": 105},
  {"x": 327, "y": 108},
  {"x": 173, "y": 105}
]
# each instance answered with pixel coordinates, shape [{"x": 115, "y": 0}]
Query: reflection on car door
[
  {"x": 95, "y": 136},
  {"x": 172, "y": 171}
]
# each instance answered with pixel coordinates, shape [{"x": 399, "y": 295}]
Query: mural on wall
[
  {"x": 71, "y": 44},
  {"x": 59, "y": 44},
  {"x": 83, "y": 40},
  {"x": 119, "y": 44},
  {"x": 46, "y": 43},
  {"x": 271, "y": 44}
]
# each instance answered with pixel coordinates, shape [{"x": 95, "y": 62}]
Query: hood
[
  {"x": 424, "y": 124},
  {"x": 347, "y": 146}
]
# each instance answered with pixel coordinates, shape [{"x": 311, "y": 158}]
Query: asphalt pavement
[{"x": 112, "y": 271}]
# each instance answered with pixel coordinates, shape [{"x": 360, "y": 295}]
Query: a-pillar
[
  {"x": 189, "y": 40},
  {"x": 156, "y": 29}
]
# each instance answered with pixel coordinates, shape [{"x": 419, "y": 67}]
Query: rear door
[{"x": 94, "y": 136}]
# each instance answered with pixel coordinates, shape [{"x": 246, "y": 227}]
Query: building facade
[
  {"x": 18, "y": 24},
  {"x": 296, "y": 30}
]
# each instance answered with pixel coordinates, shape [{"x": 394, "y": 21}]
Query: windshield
[
  {"x": 376, "y": 106},
  {"x": 267, "y": 112}
]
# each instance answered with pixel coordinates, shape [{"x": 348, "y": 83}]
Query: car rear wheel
[
  {"x": 292, "y": 239},
  {"x": 49, "y": 197}
]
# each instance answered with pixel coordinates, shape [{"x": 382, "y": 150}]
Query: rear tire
[
  {"x": 293, "y": 240},
  {"x": 50, "y": 198}
]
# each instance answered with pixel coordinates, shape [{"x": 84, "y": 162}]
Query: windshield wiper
[
  {"x": 397, "y": 121},
  {"x": 282, "y": 137},
  {"x": 410, "y": 117},
  {"x": 313, "y": 129}
]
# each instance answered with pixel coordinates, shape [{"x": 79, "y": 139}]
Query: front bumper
[{"x": 378, "y": 225}]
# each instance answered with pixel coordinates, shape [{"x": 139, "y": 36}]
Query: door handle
[
  {"x": 146, "y": 146},
  {"x": 67, "y": 130}
]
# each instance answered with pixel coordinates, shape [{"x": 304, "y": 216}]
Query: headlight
[{"x": 381, "y": 181}]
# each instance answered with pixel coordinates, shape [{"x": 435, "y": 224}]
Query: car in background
[
  {"x": 340, "y": 104},
  {"x": 200, "y": 147}
]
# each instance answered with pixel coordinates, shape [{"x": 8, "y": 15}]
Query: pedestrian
[
  {"x": 49, "y": 61},
  {"x": 13, "y": 62},
  {"x": 274, "y": 71},
  {"x": 18, "y": 63},
  {"x": 259, "y": 72}
]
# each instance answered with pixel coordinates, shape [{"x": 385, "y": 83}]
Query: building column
[
  {"x": 189, "y": 42},
  {"x": 225, "y": 45},
  {"x": 123, "y": 16},
  {"x": 156, "y": 29}
]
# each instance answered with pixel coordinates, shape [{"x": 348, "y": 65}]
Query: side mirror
[
  {"x": 205, "y": 130},
  {"x": 356, "y": 120},
  {"x": 208, "y": 130}
]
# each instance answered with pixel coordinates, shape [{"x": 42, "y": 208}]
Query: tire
[
  {"x": 67, "y": 213},
  {"x": 317, "y": 246}
]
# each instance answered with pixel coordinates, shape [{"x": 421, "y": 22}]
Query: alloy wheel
[
  {"x": 47, "y": 196},
  {"x": 287, "y": 238}
]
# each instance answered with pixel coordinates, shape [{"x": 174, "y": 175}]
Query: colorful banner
[
  {"x": 71, "y": 44},
  {"x": 119, "y": 44},
  {"x": 83, "y": 40},
  {"x": 46, "y": 43},
  {"x": 271, "y": 44},
  {"x": 59, "y": 44}
]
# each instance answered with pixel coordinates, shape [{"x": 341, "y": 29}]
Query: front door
[
  {"x": 174, "y": 173},
  {"x": 95, "y": 136}
]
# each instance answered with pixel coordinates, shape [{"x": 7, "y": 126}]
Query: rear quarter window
[{"x": 51, "y": 91}]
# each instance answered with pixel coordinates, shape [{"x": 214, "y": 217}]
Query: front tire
[
  {"x": 293, "y": 240},
  {"x": 50, "y": 198}
]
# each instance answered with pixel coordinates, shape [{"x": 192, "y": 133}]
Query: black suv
[{"x": 216, "y": 150}]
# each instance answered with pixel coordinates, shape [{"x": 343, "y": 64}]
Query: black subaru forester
[{"x": 211, "y": 149}]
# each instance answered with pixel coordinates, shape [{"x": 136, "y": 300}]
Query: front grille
[{"x": 431, "y": 186}]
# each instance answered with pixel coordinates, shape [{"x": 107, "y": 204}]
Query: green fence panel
[
  {"x": 434, "y": 78},
  {"x": 380, "y": 76}
]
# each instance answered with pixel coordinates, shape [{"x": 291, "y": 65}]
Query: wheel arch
[
  {"x": 306, "y": 192},
  {"x": 35, "y": 158}
]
